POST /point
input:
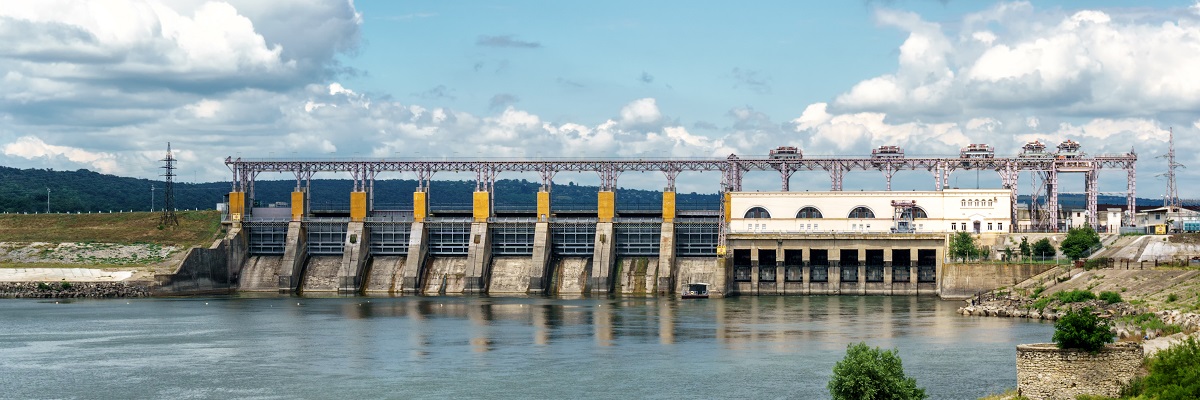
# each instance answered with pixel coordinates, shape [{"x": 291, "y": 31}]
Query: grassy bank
[{"x": 196, "y": 228}]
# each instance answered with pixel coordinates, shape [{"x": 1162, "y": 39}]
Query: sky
[{"x": 104, "y": 85}]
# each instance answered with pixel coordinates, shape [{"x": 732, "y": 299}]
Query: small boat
[{"x": 695, "y": 291}]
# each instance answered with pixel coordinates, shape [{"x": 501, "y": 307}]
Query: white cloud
[
  {"x": 1088, "y": 62},
  {"x": 640, "y": 111},
  {"x": 31, "y": 147}
]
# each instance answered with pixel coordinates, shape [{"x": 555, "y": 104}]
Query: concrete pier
[
  {"x": 540, "y": 270},
  {"x": 479, "y": 259},
  {"x": 354, "y": 258},
  {"x": 295, "y": 255},
  {"x": 414, "y": 264},
  {"x": 603, "y": 259}
]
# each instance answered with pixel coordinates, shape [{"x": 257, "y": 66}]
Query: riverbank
[{"x": 65, "y": 290}]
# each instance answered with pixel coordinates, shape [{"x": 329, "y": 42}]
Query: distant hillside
[{"x": 24, "y": 191}]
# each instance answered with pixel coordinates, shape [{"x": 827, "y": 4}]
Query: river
[{"x": 280, "y": 347}]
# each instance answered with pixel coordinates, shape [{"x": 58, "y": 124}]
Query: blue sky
[{"x": 103, "y": 86}]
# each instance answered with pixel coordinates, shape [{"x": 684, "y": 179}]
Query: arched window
[
  {"x": 964, "y": 202},
  {"x": 861, "y": 212},
  {"x": 809, "y": 212},
  {"x": 758, "y": 212},
  {"x": 917, "y": 212}
]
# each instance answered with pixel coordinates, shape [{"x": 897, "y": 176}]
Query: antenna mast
[{"x": 168, "y": 211}]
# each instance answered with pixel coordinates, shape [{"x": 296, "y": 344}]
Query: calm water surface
[{"x": 480, "y": 347}]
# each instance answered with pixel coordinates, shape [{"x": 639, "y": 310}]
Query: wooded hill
[{"x": 24, "y": 191}]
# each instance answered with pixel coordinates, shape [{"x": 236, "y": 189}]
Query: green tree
[
  {"x": 1026, "y": 251},
  {"x": 962, "y": 245},
  {"x": 870, "y": 373},
  {"x": 1082, "y": 329},
  {"x": 1043, "y": 248},
  {"x": 1078, "y": 241}
]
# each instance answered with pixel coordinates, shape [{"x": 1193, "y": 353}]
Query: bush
[
  {"x": 1082, "y": 330},
  {"x": 871, "y": 373},
  {"x": 1172, "y": 297},
  {"x": 1111, "y": 297},
  {"x": 1075, "y": 296},
  {"x": 1174, "y": 374}
]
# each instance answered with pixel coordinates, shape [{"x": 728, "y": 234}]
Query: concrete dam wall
[{"x": 455, "y": 257}]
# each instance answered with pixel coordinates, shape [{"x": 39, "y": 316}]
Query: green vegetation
[
  {"x": 871, "y": 373},
  {"x": 1071, "y": 296},
  {"x": 1042, "y": 248},
  {"x": 962, "y": 246},
  {"x": 1150, "y": 322},
  {"x": 1078, "y": 241},
  {"x": 1037, "y": 291},
  {"x": 1174, "y": 374},
  {"x": 1110, "y": 297},
  {"x": 24, "y": 191},
  {"x": 1081, "y": 329},
  {"x": 195, "y": 228}
]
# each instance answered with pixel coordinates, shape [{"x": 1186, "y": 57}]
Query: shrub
[
  {"x": 1174, "y": 374},
  {"x": 1042, "y": 302},
  {"x": 1172, "y": 297},
  {"x": 1037, "y": 291},
  {"x": 1110, "y": 297},
  {"x": 871, "y": 373},
  {"x": 1082, "y": 330},
  {"x": 1075, "y": 296}
]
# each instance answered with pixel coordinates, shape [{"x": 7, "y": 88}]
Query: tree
[
  {"x": 1078, "y": 241},
  {"x": 1026, "y": 251},
  {"x": 1043, "y": 248},
  {"x": 962, "y": 245},
  {"x": 871, "y": 373},
  {"x": 1082, "y": 329}
]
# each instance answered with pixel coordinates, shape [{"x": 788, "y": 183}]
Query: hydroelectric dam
[{"x": 749, "y": 243}]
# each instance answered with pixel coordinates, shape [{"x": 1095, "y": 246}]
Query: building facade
[
  {"x": 980, "y": 211},
  {"x": 887, "y": 243}
]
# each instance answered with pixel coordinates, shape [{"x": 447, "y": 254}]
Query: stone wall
[
  {"x": 961, "y": 281},
  {"x": 1046, "y": 372},
  {"x": 44, "y": 290}
]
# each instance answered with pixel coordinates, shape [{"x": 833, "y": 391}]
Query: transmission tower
[
  {"x": 168, "y": 210},
  {"x": 1171, "y": 198}
]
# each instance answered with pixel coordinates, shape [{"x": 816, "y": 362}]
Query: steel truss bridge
[{"x": 1046, "y": 167}]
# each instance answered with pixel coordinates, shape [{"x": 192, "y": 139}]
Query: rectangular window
[
  {"x": 989, "y": 226},
  {"x": 953, "y": 226},
  {"x": 1000, "y": 226}
]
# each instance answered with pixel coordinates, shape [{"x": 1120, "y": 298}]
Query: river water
[{"x": 481, "y": 347}]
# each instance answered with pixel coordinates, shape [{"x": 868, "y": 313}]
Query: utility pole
[
  {"x": 151, "y": 197},
  {"x": 47, "y": 200}
]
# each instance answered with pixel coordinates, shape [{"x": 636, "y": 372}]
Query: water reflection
[
  {"x": 737, "y": 323},
  {"x": 452, "y": 347}
]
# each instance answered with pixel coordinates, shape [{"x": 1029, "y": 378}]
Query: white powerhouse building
[
  {"x": 982, "y": 211},
  {"x": 888, "y": 242}
]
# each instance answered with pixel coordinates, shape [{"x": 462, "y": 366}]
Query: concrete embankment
[{"x": 45, "y": 290}]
